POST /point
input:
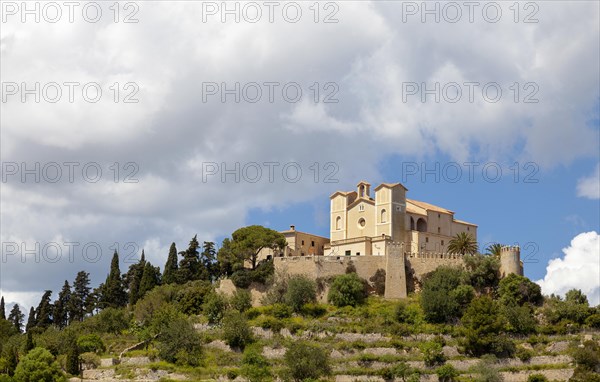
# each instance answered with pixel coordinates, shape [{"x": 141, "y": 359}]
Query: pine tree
[
  {"x": 79, "y": 298},
  {"x": 113, "y": 292},
  {"x": 171, "y": 268},
  {"x": 61, "y": 306},
  {"x": 189, "y": 265},
  {"x": 31, "y": 321},
  {"x": 29, "y": 342},
  {"x": 16, "y": 317},
  {"x": 150, "y": 279},
  {"x": 43, "y": 312},
  {"x": 208, "y": 259},
  {"x": 2, "y": 309},
  {"x": 133, "y": 277}
]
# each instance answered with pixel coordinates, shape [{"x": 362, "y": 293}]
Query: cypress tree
[
  {"x": 171, "y": 268},
  {"x": 17, "y": 317},
  {"x": 150, "y": 279},
  {"x": 43, "y": 312},
  {"x": 2, "y": 309},
  {"x": 113, "y": 292},
  {"x": 72, "y": 361},
  {"x": 31, "y": 321},
  {"x": 133, "y": 277},
  {"x": 189, "y": 266},
  {"x": 61, "y": 306},
  {"x": 79, "y": 297},
  {"x": 29, "y": 342}
]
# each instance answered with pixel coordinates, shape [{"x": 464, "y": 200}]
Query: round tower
[{"x": 510, "y": 260}]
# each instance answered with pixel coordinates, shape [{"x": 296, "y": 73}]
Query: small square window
[
  {"x": 348, "y": 253},
  {"x": 357, "y": 253},
  {"x": 302, "y": 254}
]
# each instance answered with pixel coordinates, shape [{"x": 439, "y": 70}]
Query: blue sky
[{"x": 541, "y": 217}]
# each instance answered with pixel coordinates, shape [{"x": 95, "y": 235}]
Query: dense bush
[
  {"x": 241, "y": 300},
  {"x": 300, "y": 290},
  {"x": 307, "y": 361},
  {"x": 587, "y": 357},
  {"x": 432, "y": 353},
  {"x": 378, "y": 280},
  {"x": 109, "y": 320},
  {"x": 519, "y": 290},
  {"x": 439, "y": 301},
  {"x": 90, "y": 343},
  {"x": 179, "y": 342},
  {"x": 446, "y": 373},
  {"x": 214, "y": 307},
  {"x": 255, "y": 367},
  {"x": 190, "y": 297},
  {"x": 39, "y": 366},
  {"x": 524, "y": 354},
  {"x": 483, "y": 329},
  {"x": 236, "y": 331},
  {"x": 314, "y": 310},
  {"x": 347, "y": 290},
  {"x": 520, "y": 319}
]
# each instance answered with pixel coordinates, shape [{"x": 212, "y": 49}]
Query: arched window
[
  {"x": 412, "y": 224},
  {"x": 383, "y": 215},
  {"x": 338, "y": 223},
  {"x": 421, "y": 225}
]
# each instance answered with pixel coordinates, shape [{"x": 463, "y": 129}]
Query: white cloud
[
  {"x": 370, "y": 53},
  {"x": 579, "y": 268},
  {"x": 589, "y": 187}
]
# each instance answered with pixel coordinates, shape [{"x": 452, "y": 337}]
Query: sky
[{"x": 135, "y": 126}]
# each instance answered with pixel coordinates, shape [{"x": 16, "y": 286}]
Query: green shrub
[
  {"x": 537, "y": 378},
  {"x": 520, "y": 319},
  {"x": 305, "y": 360},
  {"x": 268, "y": 322},
  {"x": 524, "y": 354},
  {"x": 300, "y": 290},
  {"x": 281, "y": 311},
  {"x": 90, "y": 343},
  {"x": 593, "y": 321},
  {"x": 38, "y": 366},
  {"x": 236, "y": 331},
  {"x": 347, "y": 290},
  {"x": 241, "y": 300},
  {"x": 432, "y": 353},
  {"x": 587, "y": 357},
  {"x": 314, "y": 310},
  {"x": 446, "y": 373},
  {"x": 255, "y": 367},
  {"x": 180, "y": 343},
  {"x": 109, "y": 320},
  {"x": 252, "y": 313},
  {"x": 437, "y": 300},
  {"x": 519, "y": 290},
  {"x": 214, "y": 307},
  {"x": 90, "y": 360}
]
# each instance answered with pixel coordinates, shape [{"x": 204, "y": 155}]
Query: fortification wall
[
  {"x": 326, "y": 266},
  {"x": 422, "y": 264}
]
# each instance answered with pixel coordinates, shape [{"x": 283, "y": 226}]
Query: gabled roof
[
  {"x": 357, "y": 201},
  {"x": 344, "y": 193},
  {"x": 390, "y": 185},
  {"x": 428, "y": 207}
]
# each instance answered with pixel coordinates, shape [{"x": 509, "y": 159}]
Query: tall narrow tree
[
  {"x": 79, "y": 297},
  {"x": 16, "y": 317},
  {"x": 133, "y": 277},
  {"x": 61, "y": 306},
  {"x": 171, "y": 268},
  {"x": 113, "y": 292},
  {"x": 31, "y": 321},
  {"x": 150, "y": 279},
  {"x": 189, "y": 265},
  {"x": 43, "y": 312},
  {"x": 2, "y": 309},
  {"x": 208, "y": 259}
]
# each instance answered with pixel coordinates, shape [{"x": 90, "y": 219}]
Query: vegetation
[{"x": 181, "y": 317}]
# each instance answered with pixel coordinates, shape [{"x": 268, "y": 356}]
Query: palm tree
[
  {"x": 462, "y": 244},
  {"x": 494, "y": 249}
]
